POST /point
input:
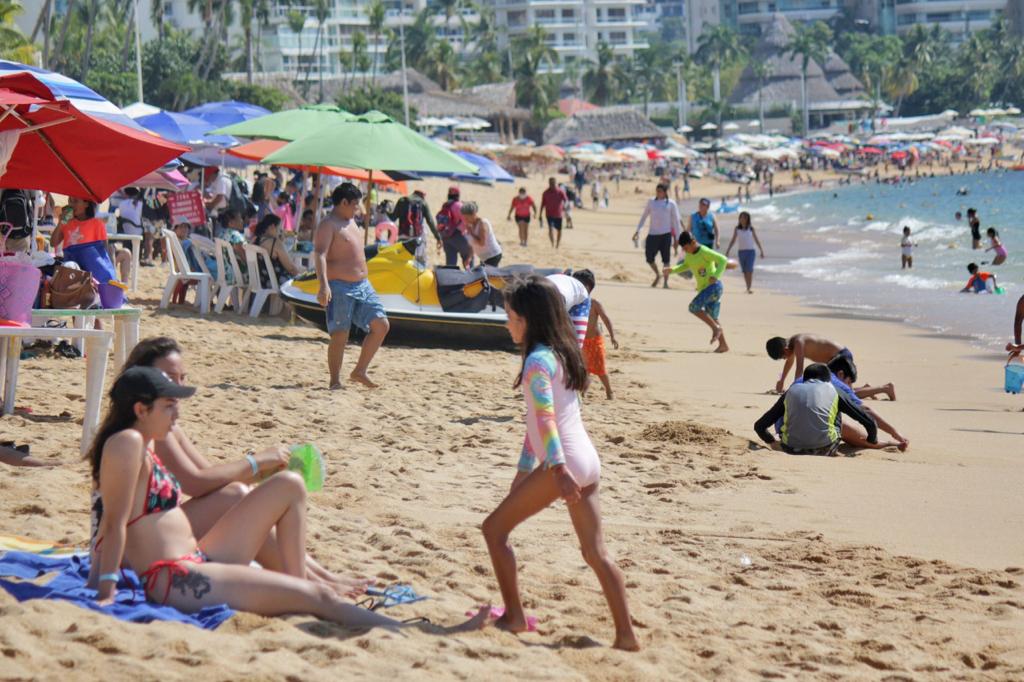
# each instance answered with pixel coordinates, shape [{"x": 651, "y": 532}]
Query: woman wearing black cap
[{"x": 142, "y": 525}]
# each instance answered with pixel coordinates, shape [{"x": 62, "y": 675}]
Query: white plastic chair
[
  {"x": 180, "y": 272},
  {"x": 253, "y": 254},
  {"x": 236, "y": 290}
]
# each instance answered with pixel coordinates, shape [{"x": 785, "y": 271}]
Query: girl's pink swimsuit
[{"x": 554, "y": 427}]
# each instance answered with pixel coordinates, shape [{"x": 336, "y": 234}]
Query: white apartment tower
[{"x": 575, "y": 27}]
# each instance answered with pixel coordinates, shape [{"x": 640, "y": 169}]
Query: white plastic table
[
  {"x": 126, "y": 326},
  {"x": 97, "y": 345},
  {"x": 136, "y": 244}
]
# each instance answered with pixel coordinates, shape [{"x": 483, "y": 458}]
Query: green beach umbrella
[
  {"x": 372, "y": 141},
  {"x": 288, "y": 125}
]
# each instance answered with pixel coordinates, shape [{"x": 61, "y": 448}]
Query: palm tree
[
  {"x": 296, "y": 22},
  {"x": 719, "y": 45},
  {"x": 533, "y": 51},
  {"x": 443, "y": 65},
  {"x": 375, "y": 14},
  {"x": 246, "y": 11},
  {"x": 321, "y": 12},
  {"x": 157, "y": 10},
  {"x": 761, "y": 71},
  {"x": 89, "y": 14},
  {"x": 810, "y": 42},
  {"x": 599, "y": 79},
  {"x": 419, "y": 38}
]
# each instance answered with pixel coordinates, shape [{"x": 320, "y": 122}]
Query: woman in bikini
[
  {"x": 551, "y": 375},
  {"x": 144, "y": 527},
  {"x": 216, "y": 488}
]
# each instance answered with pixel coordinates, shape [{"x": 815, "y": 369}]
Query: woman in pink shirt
[{"x": 523, "y": 205}]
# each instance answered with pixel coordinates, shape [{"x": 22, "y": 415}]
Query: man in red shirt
[{"x": 552, "y": 203}]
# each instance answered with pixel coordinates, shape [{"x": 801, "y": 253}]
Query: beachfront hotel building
[
  {"x": 574, "y": 28},
  {"x": 959, "y": 17}
]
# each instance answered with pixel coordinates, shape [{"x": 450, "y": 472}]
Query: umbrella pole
[
  {"x": 318, "y": 199},
  {"x": 366, "y": 210}
]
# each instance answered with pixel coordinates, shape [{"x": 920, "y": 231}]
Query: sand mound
[{"x": 685, "y": 433}]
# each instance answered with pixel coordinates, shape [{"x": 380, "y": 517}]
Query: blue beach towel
[{"x": 69, "y": 585}]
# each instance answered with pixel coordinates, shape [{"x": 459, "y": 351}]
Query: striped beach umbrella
[{"x": 83, "y": 98}]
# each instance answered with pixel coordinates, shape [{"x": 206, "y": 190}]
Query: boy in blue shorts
[{"x": 707, "y": 267}]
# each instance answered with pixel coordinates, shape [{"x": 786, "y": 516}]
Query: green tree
[
  {"x": 268, "y": 98},
  {"x": 810, "y": 43},
  {"x": 321, "y": 12},
  {"x": 718, "y": 46},
  {"x": 599, "y": 78},
  {"x": 361, "y": 100},
  {"x": 15, "y": 45},
  {"x": 297, "y": 22}
]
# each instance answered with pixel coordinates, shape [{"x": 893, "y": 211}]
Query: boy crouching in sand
[
  {"x": 345, "y": 292},
  {"x": 593, "y": 344},
  {"x": 801, "y": 347}
]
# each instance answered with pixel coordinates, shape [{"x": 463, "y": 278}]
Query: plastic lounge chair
[
  {"x": 233, "y": 288},
  {"x": 260, "y": 294},
  {"x": 180, "y": 272}
]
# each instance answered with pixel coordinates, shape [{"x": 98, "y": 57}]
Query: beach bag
[
  {"x": 414, "y": 218},
  {"x": 19, "y": 286},
  {"x": 17, "y": 209},
  {"x": 71, "y": 288},
  {"x": 93, "y": 257}
]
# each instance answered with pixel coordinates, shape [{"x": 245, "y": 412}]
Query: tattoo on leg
[{"x": 193, "y": 581}]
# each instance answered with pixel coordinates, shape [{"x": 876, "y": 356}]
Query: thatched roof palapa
[
  {"x": 782, "y": 86},
  {"x": 841, "y": 78},
  {"x": 607, "y": 124}
]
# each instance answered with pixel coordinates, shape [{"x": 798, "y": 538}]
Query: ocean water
[{"x": 851, "y": 236}]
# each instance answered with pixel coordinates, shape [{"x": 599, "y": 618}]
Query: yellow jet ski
[{"x": 434, "y": 308}]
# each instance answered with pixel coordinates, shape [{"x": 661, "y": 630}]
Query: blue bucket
[
  {"x": 93, "y": 258},
  {"x": 1014, "y": 378}
]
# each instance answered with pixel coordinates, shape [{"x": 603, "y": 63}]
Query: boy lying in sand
[{"x": 802, "y": 347}]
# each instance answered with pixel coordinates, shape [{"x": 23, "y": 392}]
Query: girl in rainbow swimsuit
[{"x": 551, "y": 374}]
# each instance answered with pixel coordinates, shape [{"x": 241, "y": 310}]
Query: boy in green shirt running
[{"x": 707, "y": 267}]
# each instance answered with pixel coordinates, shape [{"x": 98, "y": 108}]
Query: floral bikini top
[{"x": 163, "y": 492}]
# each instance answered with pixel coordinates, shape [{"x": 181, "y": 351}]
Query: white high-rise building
[
  {"x": 959, "y": 17},
  {"x": 575, "y": 28}
]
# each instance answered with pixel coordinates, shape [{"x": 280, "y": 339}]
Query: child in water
[
  {"x": 997, "y": 246},
  {"x": 551, "y": 374},
  {"x": 980, "y": 281},
  {"x": 907, "y": 249}
]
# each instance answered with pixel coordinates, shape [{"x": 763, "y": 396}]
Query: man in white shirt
[
  {"x": 219, "y": 191},
  {"x": 662, "y": 232}
]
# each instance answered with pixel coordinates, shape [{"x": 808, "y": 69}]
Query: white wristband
[{"x": 253, "y": 464}]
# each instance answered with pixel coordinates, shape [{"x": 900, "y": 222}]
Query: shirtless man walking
[{"x": 345, "y": 293}]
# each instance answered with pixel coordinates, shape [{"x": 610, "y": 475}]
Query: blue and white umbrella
[{"x": 83, "y": 98}]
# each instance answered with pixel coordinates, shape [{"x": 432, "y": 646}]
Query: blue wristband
[
  {"x": 109, "y": 577},
  {"x": 253, "y": 464}
]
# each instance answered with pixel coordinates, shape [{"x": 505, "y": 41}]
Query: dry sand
[{"x": 883, "y": 566}]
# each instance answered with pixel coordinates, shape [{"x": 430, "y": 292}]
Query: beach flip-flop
[
  {"x": 499, "y": 611},
  {"x": 392, "y": 595}
]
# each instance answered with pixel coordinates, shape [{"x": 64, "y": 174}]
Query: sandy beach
[{"x": 741, "y": 562}]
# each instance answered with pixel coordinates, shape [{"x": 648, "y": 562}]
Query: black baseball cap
[{"x": 147, "y": 384}]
